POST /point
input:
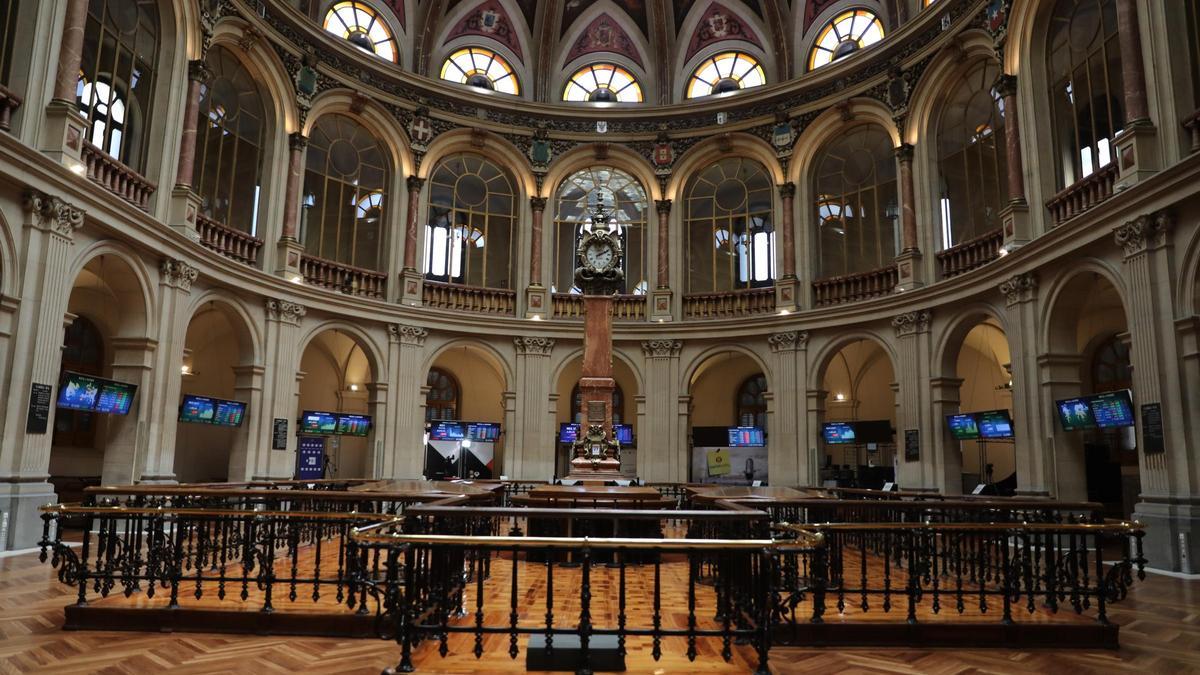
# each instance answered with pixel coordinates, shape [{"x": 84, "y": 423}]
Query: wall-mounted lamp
[
  {"x": 839, "y": 396},
  {"x": 354, "y": 387}
]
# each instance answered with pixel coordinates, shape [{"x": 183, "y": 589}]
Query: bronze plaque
[{"x": 595, "y": 411}]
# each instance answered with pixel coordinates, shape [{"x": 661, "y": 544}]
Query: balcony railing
[
  {"x": 729, "y": 304},
  {"x": 117, "y": 178},
  {"x": 854, "y": 287},
  {"x": 625, "y": 307},
  {"x": 462, "y": 298},
  {"x": 342, "y": 278},
  {"x": 227, "y": 241},
  {"x": 9, "y": 102},
  {"x": 1083, "y": 195},
  {"x": 970, "y": 254},
  {"x": 1192, "y": 124}
]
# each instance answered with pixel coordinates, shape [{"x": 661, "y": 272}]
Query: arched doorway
[
  {"x": 857, "y": 420},
  {"x": 466, "y": 383},
  {"x": 337, "y": 375},
  {"x": 568, "y": 404},
  {"x": 984, "y": 366},
  {"x": 728, "y": 389}
]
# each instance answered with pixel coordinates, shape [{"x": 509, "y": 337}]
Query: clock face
[{"x": 599, "y": 256}]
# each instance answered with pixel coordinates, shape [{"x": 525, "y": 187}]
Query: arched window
[
  {"x": 971, "y": 159},
  {"x": 230, "y": 133},
  {"x": 1087, "y": 107},
  {"x": 116, "y": 81},
  {"x": 624, "y": 198},
  {"x": 8, "y": 36},
  {"x": 469, "y": 238},
  {"x": 1193, "y": 31},
  {"x": 83, "y": 352},
  {"x": 725, "y": 72},
  {"x": 441, "y": 403},
  {"x": 362, "y": 26},
  {"x": 752, "y": 402},
  {"x": 603, "y": 83},
  {"x": 856, "y": 205},
  {"x": 346, "y": 171},
  {"x": 730, "y": 230},
  {"x": 618, "y": 405},
  {"x": 483, "y": 68},
  {"x": 1111, "y": 368},
  {"x": 845, "y": 34}
]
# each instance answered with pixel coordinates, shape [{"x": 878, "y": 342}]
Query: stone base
[
  {"x": 63, "y": 134},
  {"x": 1172, "y": 540},
  {"x": 1014, "y": 218},
  {"x": 185, "y": 205},
  {"x": 908, "y": 264},
  {"x": 537, "y": 302},
  {"x": 787, "y": 290},
  {"x": 1137, "y": 153},
  {"x": 19, "y": 502},
  {"x": 411, "y": 283},
  {"x": 287, "y": 260},
  {"x": 660, "y": 304}
]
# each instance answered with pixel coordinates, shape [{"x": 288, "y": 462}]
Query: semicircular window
[
  {"x": 362, "y": 26},
  {"x": 845, "y": 34},
  {"x": 482, "y": 68},
  {"x": 725, "y": 72},
  {"x": 603, "y": 83}
]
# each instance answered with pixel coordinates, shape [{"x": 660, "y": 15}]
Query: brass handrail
[
  {"x": 1111, "y": 527},
  {"x": 171, "y": 511},
  {"x": 505, "y": 542}
]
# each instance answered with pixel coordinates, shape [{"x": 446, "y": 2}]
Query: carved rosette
[
  {"x": 911, "y": 323},
  {"x": 1019, "y": 288},
  {"x": 407, "y": 335},
  {"x": 534, "y": 346},
  {"x": 177, "y": 273},
  {"x": 285, "y": 311},
  {"x": 788, "y": 341},
  {"x": 661, "y": 349},
  {"x": 1143, "y": 233},
  {"x": 53, "y": 214}
]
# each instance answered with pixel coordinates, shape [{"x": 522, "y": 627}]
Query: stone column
[
  {"x": 789, "y": 460},
  {"x": 282, "y": 359},
  {"x": 1065, "y": 471},
  {"x": 127, "y": 445},
  {"x": 815, "y": 414},
  {"x": 1014, "y": 217},
  {"x": 946, "y": 458},
  {"x": 1169, "y": 503},
  {"x": 185, "y": 205},
  {"x": 914, "y": 409},
  {"x": 248, "y": 388},
  {"x": 909, "y": 260},
  {"x": 786, "y": 286},
  {"x": 537, "y": 299},
  {"x": 403, "y": 451},
  {"x": 65, "y": 127},
  {"x": 662, "y": 452},
  {"x": 378, "y": 407},
  {"x": 410, "y": 278},
  {"x": 531, "y": 455},
  {"x": 660, "y": 309},
  {"x": 1031, "y": 455},
  {"x": 35, "y": 357},
  {"x": 1137, "y": 148},
  {"x": 290, "y": 246}
]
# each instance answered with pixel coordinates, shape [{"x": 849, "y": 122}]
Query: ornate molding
[
  {"x": 414, "y": 183},
  {"x": 661, "y": 349},
  {"x": 285, "y": 311},
  {"x": 533, "y": 346},
  {"x": 787, "y": 190},
  {"x": 52, "y": 214},
  {"x": 1006, "y": 85},
  {"x": 297, "y": 141},
  {"x": 911, "y": 323},
  {"x": 198, "y": 71},
  {"x": 1019, "y": 288},
  {"x": 788, "y": 341},
  {"x": 177, "y": 273},
  {"x": 537, "y": 204},
  {"x": 1143, "y": 233},
  {"x": 407, "y": 335},
  {"x": 663, "y": 206}
]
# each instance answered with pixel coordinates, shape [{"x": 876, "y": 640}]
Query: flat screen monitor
[
  {"x": 1075, "y": 414},
  {"x": 318, "y": 422},
  {"x": 838, "y": 433},
  {"x": 115, "y": 398},
  {"x": 746, "y": 437},
  {"x": 995, "y": 424},
  {"x": 229, "y": 414},
  {"x": 963, "y": 427},
  {"x": 78, "y": 392},
  {"x": 353, "y": 425},
  {"x": 445, "y": 430},
  {"x": 568, "y": 432},
  {"x": 623, "y": 433},
  {"x": 1112, "y": 409},
  {"x": 197, "y": 409},
  {"x": 485, "y": 432},
  {"x": 873, "y": 431}
]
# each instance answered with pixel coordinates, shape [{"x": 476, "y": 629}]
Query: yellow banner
[{"x": 718, "y": 462}]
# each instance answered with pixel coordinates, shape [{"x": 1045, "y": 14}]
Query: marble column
[
  {"x": 914, "y": 408},
  {"x": 198, "y": 76},
  {"x": 537, "y": 299},
  {"x": 660, "y": 308},
  {"x": 70, "y": 51},
  {"x": 410, "y": 278},
  {"x": 1137, "y": 151},
  {"x": 290, "y": 247},
  {"x": 65, "y": 127},
  {"x": 282, "y": 359},
  {"x": 909, "y": 259},
  {"x": 1014, "y": 216},
  {"x": 403, "y": 451},
  {"x": 787, "y": 286},
  {"x": 531, "y": 455},
  {"x": 789, "y": 460},
  {"x": 1031, "y": 454},
  {"x": 662, "y": 455}
]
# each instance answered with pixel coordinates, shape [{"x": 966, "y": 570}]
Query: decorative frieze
[
  {"x": 788, "y": 341},
  {"x": 177, "y": 273},
  {"x": 53, "y": 214},
  {"x": 407, "y": 335},
  {"x": 533, "y": 346},
  {"x": 1143, "y": 233},
  {"x": 661, "y": 349},
  {"x": 911, "y": 323},
  {"x": 1019, "y": 288},
  {"x": 285, "y": 311}
]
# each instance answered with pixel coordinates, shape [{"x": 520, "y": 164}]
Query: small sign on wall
[
  {"x": 1152, "y": 429},
  {"x": 912, "y": 445},
  {"x": 38, "y": 419},
  {"x": 279, "y": 434}
]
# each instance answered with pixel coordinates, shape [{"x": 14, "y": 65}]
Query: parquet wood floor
[{"x": 1160, "y": 634}]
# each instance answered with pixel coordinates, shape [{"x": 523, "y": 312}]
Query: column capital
[
  {"x": 177, "y": 274},
  {"x": 297, "y": 141},
  {"x": 533, "y": 346},
  {"x": 788, "y": 341},
  {"x": 1143, "y": 233},
  {"x": 537, "y": 203},
  {"x": 198, "y": 71},
  {"x": 407, "y": 335},
  {"x": 1019, "y": 288},
  {"x": 1005, "y": 85},
  {"x": 285, "y": 311},
  {"x": 661, "y": 349},
  {"x": 911, "y": 323},
  {"x": 787, "y": 190},
  {"x": 904, "y": 152},
  {"x": 663, "y": 206},
  {"x": 414, "y": 183},
  {"x": 52, "y": 214}
]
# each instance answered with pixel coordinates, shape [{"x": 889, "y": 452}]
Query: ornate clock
[{"x": 599, "y": 258}]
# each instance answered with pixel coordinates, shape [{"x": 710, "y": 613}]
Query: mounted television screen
[
  {"x": 623, "y": 433},
  {"x": 115, "y": 398},
  {"x": 838, "y": 432},
  {"x": 486, "y": 432},
  {"x": 568, "y": 432},
  {"x": 1112, "y": 409},
  {"x": 1075, "y": 414},
  {"x": 963, "y": 426},
  {"x": 229, "y": 414},
  {"x": 353, "y": 425},
  {"x": 873, "y": 431},
  {"x": 746, "y": 437},
  {"x": 446, "y": 430},
  {"x": 995, "y": 424},
  {"x": 78, "y": 392},
  {"x": 197, "y": 409},
  {"x": 318, "y": 422}
]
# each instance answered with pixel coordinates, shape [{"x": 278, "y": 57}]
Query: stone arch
[
  {"x": 496, "y": 148},
  {"x": 948, "y": 341},
  {"x": 929, "y": 97},
  {"x": 246, "y": 329},
  {"x": 136, "y": 287},
  {"x": 808, "y": 34},
  {"x": 1187, "y": 295},
  {"x": 398, "y": 28},
  {"x": 694, "y": 366},
  {"x": 9, "y": 283},
  {"x": 683, "y": 65},
  {"x": 490, "y": 354},
  {"x": 824, "y": 356},
  {"x": 371, "y": 115},
  {"x": 376, "y": 359},
  {"x": 827, "y": 126},
  {"x": 569, "y": 357},
  {"x": 733, "y": 144},
  {"x": 268, "y": 71},
  {"x": 584, "y": 156},
  {"x": 1056, "y": 336},
  {"x": 444, "y": 45},
  {"x": 563, "y": 69}
]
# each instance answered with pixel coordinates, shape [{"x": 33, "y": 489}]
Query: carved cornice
[
  {"x": 198, "y": 71},
  {"x": 533, "y": 346},
  {"x": 177, "y": 273},
  {"x": 414, "y": 183},
  {"x": 52, "y": 214},
  {"x": 284, "y": 311},
  {"x": 297, "y": 141},
  {"x": 407, "y": 335},
  {"x": 1019, "y": 288},
  {"x": 911, "y": 323},
  {"x": 1143, "y": 233},
  {"x": 661, "y": 349},
  {"x": 663, "y": 206},
  {"x": 788, "y": 341},
  {"x": 787, "y": 190},
  {"x": 537, "y": 204}
]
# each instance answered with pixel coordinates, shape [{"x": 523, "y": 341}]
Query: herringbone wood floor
[{"x": 1160, "y": 634}]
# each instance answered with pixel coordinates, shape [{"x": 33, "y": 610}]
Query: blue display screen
[
  {"x": 446, "y": 431},
  {"x": 84, "y": 392},
  {"x": 197, "y": 409},
  {"x": 963, "y": 427},
  {"x": 353, "y": 425},
  {"x": 1112, "y": 409},
  {"x": 1075, "y": 414},
  {"x": 486, "y": 432},
  {"x": 623, "y": 433},
  {"x": 746, "y": 437},
  {"x": 318, "y": 422},
  {"x": 568, "y": 432},
  {"x": 230, "y": 413},
  {"x": 995, "y": 424},
  {"x": 838, "y": 432},
  {"x": 116, "y": 398}
]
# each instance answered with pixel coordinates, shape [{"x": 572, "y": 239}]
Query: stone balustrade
[
  {"x": 460, "y": 298},
  {"x": 729, "y": 304},
  {"x": 1083, "y": 195},
  {"x": 626, "y": 307},
  {"x": 854, "y": 287},
  {"x": 1192, "y": 124},
  {"x": 970, "y": 254},
  {"x": 116, "y": 177},
  {"x": 227, "y": 241},
  {"x": 346, "y": 279},
  {"x": 9, "y": 102}
]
